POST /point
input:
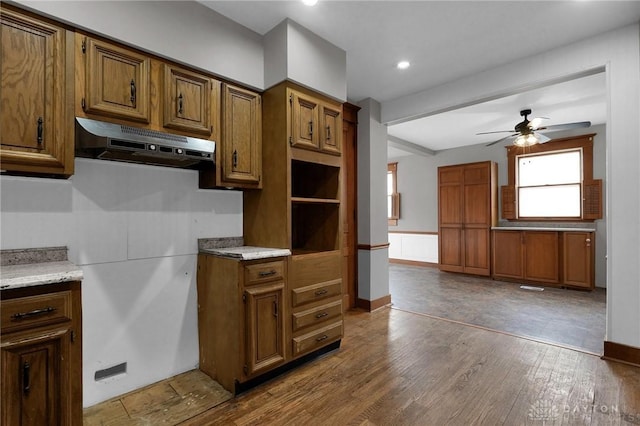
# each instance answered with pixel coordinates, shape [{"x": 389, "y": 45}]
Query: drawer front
[
  {"x": 325, "y": 290},
  {"x": 317, "y": 315},
  {"x": 317, "y": 338},
  {"x": 264, "y": 272},
  {"x": 315, "y": 268},
  {"x": 35, "y": 311}
]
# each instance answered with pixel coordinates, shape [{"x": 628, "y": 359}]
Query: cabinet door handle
[
  {"x": 266, "y": 273},
  {"x": 40, "y": 130},
  {"x": 21, "y": 315},
  {"x": 321, "y": 338},
  {"x": 180, "y": 104},
  {"x": 26, "y": 377},
  {"x": 234, "y": 159},
  {"x": 321, "y": 315},
  {"x": 133, "y": 93},
  {"x": 328, "y": 132},
  {"x": 275, "y": 308},
  {"x": 311, "y": 128},
  {"x": 321, "y": 292}
]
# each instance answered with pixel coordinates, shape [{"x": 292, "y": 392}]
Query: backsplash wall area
[{"x": 133, "y": 229}]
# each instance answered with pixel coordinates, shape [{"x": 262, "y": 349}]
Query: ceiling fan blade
[
  {"x": 497, "y": 131},
  {"x": 565, "y": 126},
  {"x": 542, "y": 138},
  {"x": 501, "y": 140},
  {"x": 533, "y": 124}
]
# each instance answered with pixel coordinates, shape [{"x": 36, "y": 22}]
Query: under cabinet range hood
[{"x": 108, "y": 141}]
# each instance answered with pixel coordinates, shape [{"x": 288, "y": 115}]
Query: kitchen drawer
[
  {"x": 317, "y": 315},
  {"x": 324, "y": 290},
  {"x": 35, "y": 311},
  {"x": 264, "y": 272},
  {"x": 317, "y": 338},
  {"x": 315, "y": 268}
]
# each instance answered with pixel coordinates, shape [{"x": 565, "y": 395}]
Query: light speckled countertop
[
  {"x": 39, "y": 266},
  {"x": 32, "y": 274},
  {"x": 248, "y": 252}
]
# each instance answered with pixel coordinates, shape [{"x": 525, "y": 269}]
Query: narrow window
[{"x": 393, "y": 198}]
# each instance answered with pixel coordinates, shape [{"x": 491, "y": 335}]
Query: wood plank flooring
[
  {"x": 570, "y": 318},
  {"x": 400, "y": 368}
]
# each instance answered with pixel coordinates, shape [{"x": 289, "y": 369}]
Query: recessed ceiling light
[
  {"x": 310, "y": 2},
  {"x": 403, "y": 65}
]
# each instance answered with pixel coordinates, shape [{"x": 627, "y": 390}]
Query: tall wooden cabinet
[
  {"x": 299, "y": 208},
  {"x": 36, "y": 118},
  {"x": 41, "y": 355},
  {"x": 467, "y": 209}
]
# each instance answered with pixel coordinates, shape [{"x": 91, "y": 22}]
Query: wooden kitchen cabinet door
[
  {"x": 241, "y": 136},
  {"x": 117, "y": 81},
  {"x": 35, "y": 377},
  {"x": 304, "y": 121},
  {"x": 264, "y": 327},
  {"x": 508, "y": 254},
  {"x": 578, "y": 258},
  {"x": 330, "y": 130},
  {"x": 34, "y": 113},
  {"x": 541, "y": 256},
  {"x": 188, "y": 98}
]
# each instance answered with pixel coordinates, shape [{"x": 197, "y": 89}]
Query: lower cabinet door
[
  {"x": 541, "y": 258},
  {"x": 35, "y": 380},
  {"x": 265, "y": 327}
]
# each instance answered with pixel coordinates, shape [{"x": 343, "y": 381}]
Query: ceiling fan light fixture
[
  {"x": 403, "y": 65},
  {"x": 526, "y": 140}
]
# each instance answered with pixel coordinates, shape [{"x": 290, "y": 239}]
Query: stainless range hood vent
[{"x": 108, "y": 141}]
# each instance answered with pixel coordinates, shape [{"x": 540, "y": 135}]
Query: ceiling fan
[{"x": 526, "y": 133}]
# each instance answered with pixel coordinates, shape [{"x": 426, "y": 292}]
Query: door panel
[{"x": 541, "y": 257}]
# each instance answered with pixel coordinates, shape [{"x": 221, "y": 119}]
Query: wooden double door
[{"x": 467, "y": 207}]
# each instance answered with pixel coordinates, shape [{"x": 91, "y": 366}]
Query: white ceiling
[{"x": 445, "y": 41}]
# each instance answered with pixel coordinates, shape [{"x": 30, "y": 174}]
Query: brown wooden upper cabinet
[
  {"x": 315, "y": 124},
  {"x": 117, "y": 81},
  {"x": 35, "y": 117},
  {"x": 187, "y": 100},
  {"x": 467, "y": 209},
  {"x": 239, "y": 152}
]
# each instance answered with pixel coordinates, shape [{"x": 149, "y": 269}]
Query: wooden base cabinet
[
  {"x": 557, "y": 258},
  {"x": 241, "y": 317},
  {"x": 41, "y": 355}
]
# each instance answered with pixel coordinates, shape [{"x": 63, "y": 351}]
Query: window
[
  {"x": 549, "y": 184},
  {"x": 552, "y": 181},
  {"x": 393, "y": 198}
]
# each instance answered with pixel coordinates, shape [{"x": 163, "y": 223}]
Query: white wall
[
  {"x": 618, "y": 52},
  {"x": 133, "y": 229},
  {"x": 294, "y": 53},
  {"x": 414, "y": 247},
  {"x": 184, "y": 31}
]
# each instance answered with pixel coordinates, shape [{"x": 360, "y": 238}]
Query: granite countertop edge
[
  {"x": 34, "y": 274},
  {"x": 247, "y": 252}
]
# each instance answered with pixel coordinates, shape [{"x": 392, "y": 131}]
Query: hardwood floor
[
  {"x": 570, "y": 318},
  {"x": 400, "y": 368}
]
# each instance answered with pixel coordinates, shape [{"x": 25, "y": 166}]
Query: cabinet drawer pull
[
  {"x": 263, "y": 274},
  {"x": 180, "y": 104},
  {"x": 26, "y": 377},
  {"x": 21, "y": 315},
  {"x": 40, "y": 130},
  {"x": 321, "y": 292},
  {"x": 133, "y": 93},
  {"x": 321, "y": 338},
  {"x": 321, "y": 315}
]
